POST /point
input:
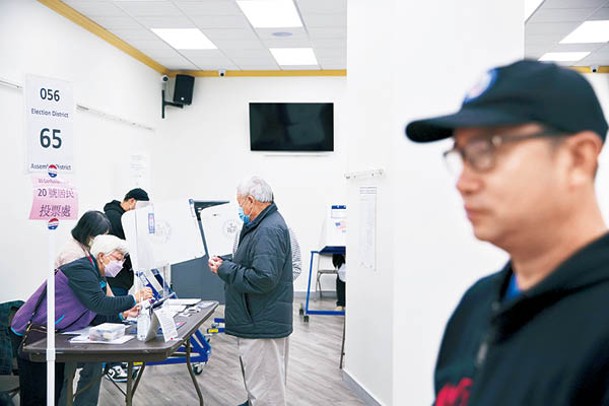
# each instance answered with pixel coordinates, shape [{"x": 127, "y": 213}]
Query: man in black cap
[
  {"x": 123, "y": 281},
  {"x": 526, "y": 145}
]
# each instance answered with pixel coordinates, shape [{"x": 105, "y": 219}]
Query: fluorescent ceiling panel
[
  {"x": 270, "y": 13},
  {"x": 564, "y": 56},
  {"x": 589, "y": 32},
  {"x": 294, "y": 56},
  {"x": 184, "y": 38}
]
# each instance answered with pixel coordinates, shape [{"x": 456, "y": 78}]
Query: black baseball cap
[
  {"x": 524, "y": 92},
  {"x": 137, "y": 194}
]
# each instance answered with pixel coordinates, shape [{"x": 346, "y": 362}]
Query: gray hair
[
  {"x": 257, "y": 188},
  {"x": 106, "y": 243}
]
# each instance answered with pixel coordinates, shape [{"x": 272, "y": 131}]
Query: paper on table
[
  {"x": 168, "y": 325},
  {"x": 81, "y": 332},
  {"x": 84, "y": 339},
  {"x": 182, "y": 302}
]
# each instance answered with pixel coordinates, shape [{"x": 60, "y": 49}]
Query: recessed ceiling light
[
  {"x": 564, "y": 56},
  {"x": 184, "y": 38},
  {"x": 270, "y": 13},
  {"x": 589, "y": 32},
  {"x": 294, "y": 56}
]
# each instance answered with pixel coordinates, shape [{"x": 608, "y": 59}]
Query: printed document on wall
[{"x": 367, "y": 233}]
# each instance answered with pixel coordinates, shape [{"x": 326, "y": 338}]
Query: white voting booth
[
  {"x": 220, "y": 224},
  {"x": 160, "y": 235},
  {"x": 333, "y": 240}
]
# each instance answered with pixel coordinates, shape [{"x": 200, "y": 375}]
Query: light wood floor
[{"x": 314, "y": 377}]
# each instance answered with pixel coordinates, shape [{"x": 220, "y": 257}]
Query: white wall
[
  {"x": 203, "y": 152},
  {"x": 36, "y": 40},
  {"x": 407, "y": 60}
]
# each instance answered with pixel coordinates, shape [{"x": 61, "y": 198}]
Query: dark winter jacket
[
  {"x": 124, "y": 279},
  {"x": 548, "y": 346},
  {"x": 258, "y": 281}
]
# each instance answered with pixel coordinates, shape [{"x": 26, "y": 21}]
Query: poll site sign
[
  {"x": 49, "y": 105},
  {"x": 54, "y": 199}
]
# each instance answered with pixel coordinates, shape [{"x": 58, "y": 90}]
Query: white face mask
[{"x": 113, "y": 268}]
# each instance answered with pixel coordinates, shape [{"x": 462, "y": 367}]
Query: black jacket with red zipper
[{"x": 548, "y": 346}]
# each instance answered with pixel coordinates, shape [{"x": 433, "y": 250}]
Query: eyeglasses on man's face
[{"x": 481, "y": 152}]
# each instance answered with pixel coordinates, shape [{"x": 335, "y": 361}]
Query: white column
[{"x": 410, "y": 59}]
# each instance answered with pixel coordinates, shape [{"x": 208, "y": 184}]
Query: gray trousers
[{"x": 264, "y": 363}]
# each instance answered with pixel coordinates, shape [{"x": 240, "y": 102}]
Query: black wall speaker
[{"x": 182, "y": 92}]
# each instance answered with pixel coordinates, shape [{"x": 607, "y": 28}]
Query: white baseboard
[{"x": 359, "y": 391}]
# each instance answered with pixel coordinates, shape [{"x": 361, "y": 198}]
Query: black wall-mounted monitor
[{"x": 292, "y": 127}]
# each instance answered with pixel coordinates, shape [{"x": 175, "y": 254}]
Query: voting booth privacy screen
[
  {"x": 292, "y": 127},
  {"x": 163, "y": 233},
  {"x": 220, "y": 226},
  {"x": 334, "y": 229}
]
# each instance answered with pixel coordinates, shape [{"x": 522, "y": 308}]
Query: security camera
[
  {"x": 221, "y": 72},
  {"x": 164, "y": 78},
  {"x": 594, "y": 68}
]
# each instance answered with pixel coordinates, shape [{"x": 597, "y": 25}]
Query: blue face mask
[{"x": 244, "y": 217}]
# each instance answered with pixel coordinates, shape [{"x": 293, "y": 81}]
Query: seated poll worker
[
  {"x": 526, "y": 144},
  {"x": 80, "y": 300},
  {"x": 91, "y": 224},
  {"x": 258, "y": 285}
]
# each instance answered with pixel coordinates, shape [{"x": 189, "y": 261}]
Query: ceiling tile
[
  {"x": 267, "y": 33},
  {"x": 301, "y": 67},
  {"x": 328, "y": 32},
  {"x": 325, "y": 20},
  {"x": 322, "y": 6},
  {"x": 242, "y": 34},
  {"x": 230, "y": 44},
  {"x": 130, "y": 34},
  {"x": 146, "y": 46},
  {"x": 572, "y": 3},
  {"x": 97, "y": 8},
  {"x": 260, "y": 60},
  {"x": 258, "y": 66},
  {"x": 220, "y": 21},
  {"x": 166, "y": 22},
  {"x": 177, "y": 63},
  {"x": 551, "y": 28},
  {"x": 287, "y": 43},
  {"x": 600, "y": 14},
  {"x": 149, "y": 9},
  {"x": 328, "y": 43},
  {"x": 558, "y": 15},
  {"x": 209, "y": 8},
  {"x": 118, "y": 22},
  {"x": 248, "y": 53}
]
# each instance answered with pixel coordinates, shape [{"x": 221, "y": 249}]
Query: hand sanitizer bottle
[{"x": 143, "y": 320}]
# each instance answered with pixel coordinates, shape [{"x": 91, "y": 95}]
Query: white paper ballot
[
  {"x": 168, "y": 325},
  {"x": 84, "y": 339}
]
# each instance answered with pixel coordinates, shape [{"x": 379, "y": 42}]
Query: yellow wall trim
[
  {"x": 587, "y": 69},
  {"x": 261, "y": 73}
]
